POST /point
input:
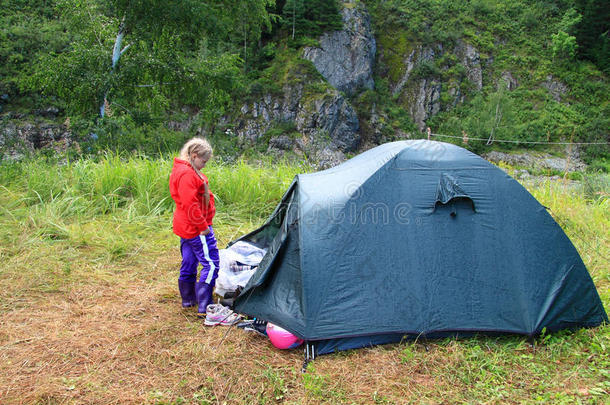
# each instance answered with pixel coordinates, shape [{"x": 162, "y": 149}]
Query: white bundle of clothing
[{"x": 237, "y": 264}]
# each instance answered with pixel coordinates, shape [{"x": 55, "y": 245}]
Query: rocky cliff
[
  {"x": 420, "y": 82},
  {"x": 20, "y": 134},
  {"x": 346, "y": 58},
  {"x": 423, "y": 81},
  {"x": 326, "y": 122},
  {"x": 376, "y": 80}
]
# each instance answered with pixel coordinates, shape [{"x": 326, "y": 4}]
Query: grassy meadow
[{"x": 90, "y": 310}]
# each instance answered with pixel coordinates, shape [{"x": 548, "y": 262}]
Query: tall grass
[
  {"x": 119, "y": 205},
  {"x": 113, "y": 209},
  {"x": 138, "y": 185}
]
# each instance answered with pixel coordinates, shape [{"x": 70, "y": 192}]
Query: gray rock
[
  {"x": 327, "y": 158},
  {"x": 471, "y": 59},
  {"x": 426, "y": 103},
  {"x": 12, "y": 115},
  {"x": 335, "y": 116},
  {"x": 415, "y": 57},
  {"x": 421, "y": 95},
  {"x": 539, "y": 161},
  {"x": 18, "y": 137},
  {"x": 345, "y": 58},
  {"x": 49, "y": 112},
  {"x": 409, "y": 65},
  {"x": 560, "y": 164},
  {"x": 281, "y": 142},
  {"x": 522, "y": 174},
  {"x": 555, "y": 87},
  {"x": 328, "y": 120},
  {"x": 180, "y": 125},
  {"x": 458, "y": 96},
  {"x": 507, "y": 80}
]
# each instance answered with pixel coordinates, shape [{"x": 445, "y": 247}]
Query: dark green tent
[{"x": 415, "y": 238}]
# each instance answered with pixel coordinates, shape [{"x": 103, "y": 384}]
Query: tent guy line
[{"x": 469, "y": 138}]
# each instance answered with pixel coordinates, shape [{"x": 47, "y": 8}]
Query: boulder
[
  {"x": 345, "y": 58},
  {"x": 555, "y": 87}
]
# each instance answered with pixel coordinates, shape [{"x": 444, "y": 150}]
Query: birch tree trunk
[{"x": 116, "y": 55}]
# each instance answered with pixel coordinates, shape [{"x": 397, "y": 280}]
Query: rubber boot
[
  {"x": 187, "y": 292},
  {"x": 204, "y": 296}
]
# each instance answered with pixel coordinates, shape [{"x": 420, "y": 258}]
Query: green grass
[
  {"x": 136, "y": 186},
  {"x": 89, "y": 306}
]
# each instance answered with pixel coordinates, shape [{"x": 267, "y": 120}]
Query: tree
[
  {"x": 311, "y": 18},
  {"x": 144, "y": 55},
  {"x": 592, "y": 32},
  {"x": 563, "y": 43},
  {"x": 27, "y": 28},
  {"x": 563, "y": 46}
]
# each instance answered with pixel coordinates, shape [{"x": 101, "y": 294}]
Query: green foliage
[
  {"x": 174, "y": 53},
  {"x": 123, "y": 133},
  {"x": 564, "y": 46},
  {"x": 276, "y": 383},
  {"x": 110, "y": 183},
  {"x": 27, "y": 29},
  {"x": 319, "y": 387},
  {"x": 288, "y": 69},
  {"x": 426, "y": 69},
  {"x": 310, "y": 18},
  {"x": 592, "y": 32},
  {"x": 532, "y": 40}
]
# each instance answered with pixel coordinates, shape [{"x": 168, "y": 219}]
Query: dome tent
[{"x": 415, "y": 238}]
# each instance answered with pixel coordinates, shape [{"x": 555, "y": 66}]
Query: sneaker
[{"x": 217, "y": 314}]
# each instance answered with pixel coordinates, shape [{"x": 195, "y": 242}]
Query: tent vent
[{"x": 450, "y": 193}]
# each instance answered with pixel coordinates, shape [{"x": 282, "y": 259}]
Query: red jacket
[{"x": 192, "y": 214}]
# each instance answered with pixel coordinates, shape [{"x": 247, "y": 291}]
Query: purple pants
[{"x": 200, "y": 249}]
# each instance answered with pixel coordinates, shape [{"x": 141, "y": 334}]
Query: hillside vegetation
[
  {"x": 525, "y": 41},
  {"x": 162, "y": 71}
]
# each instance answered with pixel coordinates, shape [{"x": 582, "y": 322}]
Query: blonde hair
[{"x": 200, "y": 146}]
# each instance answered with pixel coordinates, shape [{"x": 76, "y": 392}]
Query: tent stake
[
  {"x": 531, "y": 339},
  {"x": 309, "y": 356}
]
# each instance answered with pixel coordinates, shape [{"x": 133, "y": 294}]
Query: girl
[{"x": 193, "y": 217}]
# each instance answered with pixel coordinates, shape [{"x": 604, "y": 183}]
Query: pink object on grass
[{"x": 281, "y": 338}]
